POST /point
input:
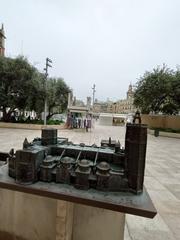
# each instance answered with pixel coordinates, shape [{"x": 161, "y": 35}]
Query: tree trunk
[{"x": 7, "y": 114}]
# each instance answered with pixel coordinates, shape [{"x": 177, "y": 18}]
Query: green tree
[
  {"x": 16, "y": 84},
  {"x": 37, "y": 96},
  {"x": 158, "y": 91},
  {"x": 57, "y": 96},
  {"x": 22, "y": 87},
  {"x": 176, "y": 87}
]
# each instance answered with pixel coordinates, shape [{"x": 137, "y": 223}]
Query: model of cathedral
[{"x": 109, "y": 167}]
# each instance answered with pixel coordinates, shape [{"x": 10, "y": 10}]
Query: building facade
[
  {"x": 121, "y": 106},
  {"x": 77, "y": 107},
  {"x": 102, "y": 107},
  {"x": 125, "y": 105}
]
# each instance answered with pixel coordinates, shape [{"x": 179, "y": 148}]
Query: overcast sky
[{"x": 107, "y": 42}]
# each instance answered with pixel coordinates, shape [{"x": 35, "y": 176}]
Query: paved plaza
[{"x": 162, "y": 177}]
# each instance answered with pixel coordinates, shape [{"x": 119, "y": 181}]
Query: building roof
[{"x": 78, "y": 109}]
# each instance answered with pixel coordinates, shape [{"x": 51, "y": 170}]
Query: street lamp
[
  {"x": 48, "y": 61},
  {"x": 94, "y": 90}
]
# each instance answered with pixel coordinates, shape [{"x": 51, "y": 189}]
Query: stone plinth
[
  {"x": 26, "y": 216},
  {"x": 52, "y": 211},
  {"x": 91, "y": 223},
  {"x": 30, "y": 217}
]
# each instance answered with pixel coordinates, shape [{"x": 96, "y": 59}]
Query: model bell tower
[{"x": 2, "y": 41}]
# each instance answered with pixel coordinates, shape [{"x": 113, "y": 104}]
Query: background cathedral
[{"x": 121, "y": 106}]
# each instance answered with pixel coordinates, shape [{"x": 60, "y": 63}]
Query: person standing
[
  {"x": 79, "y": 122},
  {"x": 85, "y": 124}
]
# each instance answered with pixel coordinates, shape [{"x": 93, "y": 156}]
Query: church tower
[
  {"x": 2, "y": 41},
  {"x": 130, "y": 92}
]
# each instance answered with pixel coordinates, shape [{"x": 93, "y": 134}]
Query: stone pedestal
[
  {"x": 91, "y": 223},
  {"x": 31, "y": 217},
  {"x": 37, "y": 211},
  {"x": 26, "y": 216},
  {"x": 64, "y": 220}
]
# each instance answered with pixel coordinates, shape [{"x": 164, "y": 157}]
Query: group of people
[{"x": 79, "y": 122}]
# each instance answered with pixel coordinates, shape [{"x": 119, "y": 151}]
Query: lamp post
[
  {"x": 94, "y": 90},
  {"x": 48, "y": 61}
]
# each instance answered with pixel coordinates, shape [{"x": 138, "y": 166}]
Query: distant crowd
[{"x": 79, "y": 122}]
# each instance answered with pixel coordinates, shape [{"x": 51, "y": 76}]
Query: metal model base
[{"x": 125, "y": 202}]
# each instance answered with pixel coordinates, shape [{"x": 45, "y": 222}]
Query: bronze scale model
[{"x": 106, "y": 168}]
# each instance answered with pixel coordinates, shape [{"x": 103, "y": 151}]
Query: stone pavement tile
[
  {"x": 176, "y": 194},
  {"x": 174, "y": 172},
  {"x": 176, "y": 158},
  {"x": 153, "y": 184},
  {"x": 159, "y": 172},
  {"x": 167, "y": 180},
  {"x": 152, "y": 229},
  {"x": 166, "y": 207},
  {"x": 173, "y": 222},
  {"x": 162, "y": 195},
  {"x": 126, "y": 233},
  {"x": 13, "y": 138},
  {"x": 165, "y": 202},
  {"x": 152, "y": 235},
  {"x": 177, "y": 175},
  {"x": 174, "y": 189},
  {"x": 148, "y": 172}
]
